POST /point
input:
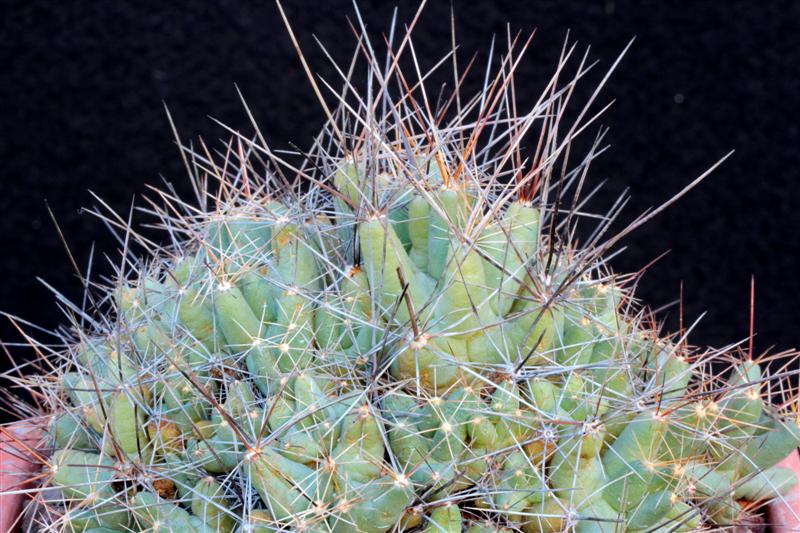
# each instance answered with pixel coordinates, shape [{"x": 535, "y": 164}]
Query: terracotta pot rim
[{"x": 18, "y": 462}]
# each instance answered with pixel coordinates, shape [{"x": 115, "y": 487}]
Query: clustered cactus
[{"x": 407, "y": 337}]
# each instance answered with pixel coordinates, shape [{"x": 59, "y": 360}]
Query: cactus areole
[{"x": 399, "y": 329}]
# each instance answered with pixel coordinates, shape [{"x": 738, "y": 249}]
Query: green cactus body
[
  {"x": 520, "y": 486},
  {"x": 464, "y": 306},
  {"x": 197, "y": 316},
  {"x": 576, "y": 341},
  {"x": 767, "y": 485},
  {"x": 597, "y": 516},
  {"x": 408, "y": 445},
  {"x": 535, "y": 332},
  {"x": 418, "y": 229},
  {"x": 633, "y": 462},
  {"x": 258, "y": 521},
  {"x": 81, "y": 475},
  {"x": 372, "y": 507},
  {"x": 245, "y": 238},
  {"x": 660, "y": 509},
  {"x": 67, "y": 431},
  {"x": 359, "y": 452},
  {"x": 235, "y": 317},
  {"x": 349, "y": 179},
  {"x": 259, "y": 293},
  {"x": 287, "y": 487},
  {"x": 700, "y": 480},
  {"x": 450, "y": 211},
  {"x": 160, "y": 516},
  {"x": 384, "y": 258},
  {"x": 399, "y": 220},
  {"x": 110, "y": 517},
  {"x": 577, "y": 478},
  {"x": 210, "y": 506},
  {"x": 510, "y": 245},
  {"x": 127, "y": 424},
  {"x": 183, "y": 404},
  {"x": 429, "y": 361},
  {"x": 243, "y": 332},
  {"x": 546, "y": 516},
  {"x": 765, "y": 451},
  {"x": 742, "y": 409},
  {"x": 84, "y": 396},
  {"x": 183, "y": 473},
  {"x": 445, "y": 519},
  {"x": 205, "y": 454},
  {"x": 401, "y": 332}
]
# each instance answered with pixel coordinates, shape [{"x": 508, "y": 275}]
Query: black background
[{"x": 82, "y": 87}]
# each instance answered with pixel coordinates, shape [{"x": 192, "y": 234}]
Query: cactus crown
[{"x": 399, "y": 332}]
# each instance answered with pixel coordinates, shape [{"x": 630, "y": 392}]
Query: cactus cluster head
[{"x": 398, "y": 331}]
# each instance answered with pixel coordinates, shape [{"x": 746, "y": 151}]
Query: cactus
[{"x": 405, "y": 337}]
